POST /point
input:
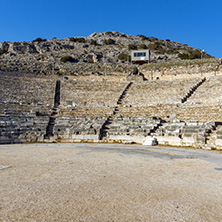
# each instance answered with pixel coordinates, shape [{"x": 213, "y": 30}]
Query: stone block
[
  {"x": 188, "y": 141},
  {"x": 5, "y": 139},
  {"x": 169, "y": 140},
  {"x": 124, "y": 138},
  {"x": 218, "y": 142},
  {"x": 84, "y": 137},
  {"x": 150, "y": 141}
]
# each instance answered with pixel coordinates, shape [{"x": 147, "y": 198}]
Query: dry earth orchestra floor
[{"x": 107, "y": 182}]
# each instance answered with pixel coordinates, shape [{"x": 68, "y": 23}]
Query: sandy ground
[{"x": 89, "y": 182}]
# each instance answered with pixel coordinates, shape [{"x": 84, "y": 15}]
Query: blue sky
[{"x": 196, "y": 23}]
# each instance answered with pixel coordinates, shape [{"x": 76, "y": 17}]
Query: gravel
[{"x": 83, "y": 182}]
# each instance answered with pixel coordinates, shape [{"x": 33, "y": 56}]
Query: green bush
[
  {"x": 143, "y": 37},
  {"x": 72, "y": 39},
  {"x": 93, "y": 42},
  {"x": 109, "y": 33},
  {"x": 124, "y": 57},
  {"x": 39, "y": 40},
  {"x": 172, "y": 50},
  {"x": 142, "y": 46},
  {"x": 80, "y": 39},
  {"x": 152, "y": 39},
  {"x": 160, "y": 51},
  {"x": 132, "y": 47},
  {"x": 196, "y": 54},
  {"x": 183, "y": 56},
  {"x": 67, "y": 59},
  {"x": 155, "y": 46},
  {"x": 2, "y": 51},
  {"x": 109, "y": 41}
]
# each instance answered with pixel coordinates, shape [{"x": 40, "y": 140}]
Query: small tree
[
  {"x": 39, "y": 40},
  {"x": 143, "y": 37},
  {"x": 109, "y": 33},
  {"x": 152, "y": 39},
  {"x": 67, "y": 59},
  {"x": 154, "y": 46},
  {"x": 81, "y": 39},
  {"x": 132, "y": 47},
  {"x": 196, "y": 54},
  {"x": 72, "y": 39},
  {"x": 2, "y": 51},
  {"x": 109, "y": 41},
  {"x": 124, "y": 57},
  {"x": 183, "y": 56},
  {"x": 142, "y": 46},
  {"x": 93, "y": 42}
]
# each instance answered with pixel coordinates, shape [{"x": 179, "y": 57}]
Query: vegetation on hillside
[
  {"x": 39, "y": 40},
  {"x": 109, "y": 41},
  {"x": 2, "y": 51},
  {"x": 65, "y": 59},
  {"x": 181, "y": 63},
  {"x": 124, "y": 57},
  {"x": 78, "y": 39}
]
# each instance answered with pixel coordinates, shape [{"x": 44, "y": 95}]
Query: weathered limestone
[
  {"x": 25, "y": 104},
  {"x": 150, "y": 141},
  {"x": 133, "y": 125},
  {"x": 179, "y": 133},
  {"x": 145, "y": 113},
  {"x": 125, "y": 139},
  {"x": 77, "y": 128},
  {"x": 208, "y": 93},
  {"x": 19, "y": 127},
  {"x": 75, "y": 94},
  {"x": 44, "y": 56},
  {"x": 27, "y": 90},
  {"x": 158, "y": 92}
]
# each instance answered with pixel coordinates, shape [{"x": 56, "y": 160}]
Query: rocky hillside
[{"x": 95, "y": 54}]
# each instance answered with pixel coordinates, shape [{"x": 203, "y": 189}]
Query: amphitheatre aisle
[{"x": 126, "y": 109}]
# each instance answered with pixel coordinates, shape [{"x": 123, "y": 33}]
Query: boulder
[{"x": 150, "y": 141}]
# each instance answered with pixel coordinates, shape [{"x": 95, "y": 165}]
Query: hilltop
[{"x": 97, "y": 53}]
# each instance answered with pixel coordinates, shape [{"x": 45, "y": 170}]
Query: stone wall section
[
  {"x": 22, "y": 127},
  {"x": 25, "y": 105},
  {"x": 180, "y": 133}
]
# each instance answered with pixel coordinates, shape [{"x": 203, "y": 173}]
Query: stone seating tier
[
  {"x": 133, "y": 126},
  {"x": 17, "y": 127},
  {"x": 34, "y": 91},
  {"x": 185, "y": 112},
  {"x": 90, "y": 93},
  {"x": 86, "y": 112},
  {"x": 41, "y": 110},
  {"x": 209, "y": 93},
  {"x": 186, "y": 128},
  {"x": 159, "y": 92},
  {"x": 76, "y": 129}
]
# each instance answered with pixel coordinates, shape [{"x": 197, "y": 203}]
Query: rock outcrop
[{"x": 98, "y": 52}]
